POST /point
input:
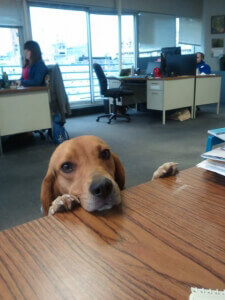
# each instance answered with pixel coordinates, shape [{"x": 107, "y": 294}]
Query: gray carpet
[{"x": 142, "y": 145}]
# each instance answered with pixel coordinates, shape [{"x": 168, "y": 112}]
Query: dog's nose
[{"x": 101, "y": 187}]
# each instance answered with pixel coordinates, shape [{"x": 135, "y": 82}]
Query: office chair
[{"x": 115, "y": 93}]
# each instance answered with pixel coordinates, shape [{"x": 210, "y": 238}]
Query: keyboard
[{"x": 138, "y": 76}]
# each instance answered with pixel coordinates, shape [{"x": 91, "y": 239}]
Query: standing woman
[{"x": 34, "y": 69}]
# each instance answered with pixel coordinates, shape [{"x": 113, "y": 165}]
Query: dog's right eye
[{"x": 67, "y": 167}]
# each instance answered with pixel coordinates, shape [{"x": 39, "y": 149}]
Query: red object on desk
[{"x": 157, "y": 72}]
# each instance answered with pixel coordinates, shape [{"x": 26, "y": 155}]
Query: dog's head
[{"x": 86, "y": 168}]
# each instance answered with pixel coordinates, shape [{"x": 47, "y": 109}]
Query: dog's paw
[
  {"x": 63, "y": 203},
  {"x": 167, "y": 169}
]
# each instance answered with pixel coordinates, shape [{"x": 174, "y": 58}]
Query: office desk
[
  {"x": 207, "y": 90},
  {"x": 137, "y": 85},
  {"x": 24, "y": 110},
  {"x": 166, "y": 237},
  {"x": 170, "y": 93}
]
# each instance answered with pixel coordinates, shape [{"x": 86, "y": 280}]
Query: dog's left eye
[
  {"x": 67, "y": 167},
  {"x": 105, "y": 154}
]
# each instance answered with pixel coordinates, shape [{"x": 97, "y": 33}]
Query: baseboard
[{"x": 86, "y": 111}]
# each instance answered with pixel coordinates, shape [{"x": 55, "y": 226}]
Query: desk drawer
[
  {"x": 155, "y": 100},
  {"x": 155, "y": 85}
]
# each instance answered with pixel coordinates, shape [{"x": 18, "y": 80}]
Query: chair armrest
[{"x": 113, "y": 78}]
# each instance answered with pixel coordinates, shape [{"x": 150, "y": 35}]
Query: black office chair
[{"x": 115, "y": 93}]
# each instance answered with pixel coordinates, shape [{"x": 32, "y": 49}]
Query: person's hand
[{"x": 18, "y": 83}]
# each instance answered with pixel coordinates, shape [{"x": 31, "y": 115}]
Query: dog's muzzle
[{"x": 101, "y": 189}]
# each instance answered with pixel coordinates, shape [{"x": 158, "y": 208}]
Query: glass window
[
  {"x": 10, "y": 57},
  {"x": 64, "y": 41},
  {"x": 128, "y": 46},
  {"x": 156, "y": 31},
  {"x": 104, "y": 38},
  {"x": 186, "y": 48}
]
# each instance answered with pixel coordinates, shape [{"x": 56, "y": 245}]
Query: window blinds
[
  {"x": 190, "y": 31},
  {"x": 156, "y": 31},
  {"x": 11, "y": 13}
]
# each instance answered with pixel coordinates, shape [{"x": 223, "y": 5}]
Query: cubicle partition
[{"x": 24, "y": 110}]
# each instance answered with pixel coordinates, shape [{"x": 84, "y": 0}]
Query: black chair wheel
[
  {"x": 109, "y": 122},
  {"x": 97, "y": 120}
]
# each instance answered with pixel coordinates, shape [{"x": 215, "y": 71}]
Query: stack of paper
[
  {"x": 206, "y": 294},
  {"x": 215, "y": 161}
]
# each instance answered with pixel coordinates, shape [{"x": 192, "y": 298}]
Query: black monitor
[
  {"x": 178, "y": 65},
  {"x": 165, "y": 52},
  {"x": 171, "y": 51},
  {"x": 142, "y": 62}
]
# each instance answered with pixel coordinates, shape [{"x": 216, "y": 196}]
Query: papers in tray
[
  {"x": 219, "y": 132},
  {"x": 208, "y": 165},
  {"x": 206, "y": 294},
  {"x": 215, "y": 161},
  {"x": 215, "y": 154}
]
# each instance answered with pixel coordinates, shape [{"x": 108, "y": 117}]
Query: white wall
[{"x": 211, "y": 8}]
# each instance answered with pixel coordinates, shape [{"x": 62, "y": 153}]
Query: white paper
[
  {"x": 217, "y": 153},
  {"x": 211, "y": 167},
  {"x": 206, "y": 294}
]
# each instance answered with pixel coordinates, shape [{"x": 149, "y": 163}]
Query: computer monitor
[
  {"x": 165, "y": 52},
  {"x": 177, "y": 65},
  {"x": 142, "y": 62},
  {"x": 150, "y": 67},
  {"x": 171, "y": 51}
]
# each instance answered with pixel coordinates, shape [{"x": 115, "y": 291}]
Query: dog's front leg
[
  {"x": 167, "y": 169},
  {"x": 63, "y": 203}
]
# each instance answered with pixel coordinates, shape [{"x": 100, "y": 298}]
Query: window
[
  {"x": 10, "y": 57},
  {"x": 155, "y": 32},
  {"x": 128, "y": 52},
  {"x": 104, "y": 40},
  {"x": 188, "y": 35},
  {"x": 67, "y": 42},
  {"x": 64, "y": 41}
]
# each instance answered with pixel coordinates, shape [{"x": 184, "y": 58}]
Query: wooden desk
[
  {"x": 170, "y": 93},
  {"x": 168, "y": 236},
  {"x": 207, "y": 90},
  {"x": 24, "y": 110},
  {"x": 136, "y": 85}
]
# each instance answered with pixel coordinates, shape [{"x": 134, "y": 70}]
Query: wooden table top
[
  {"x": 166, "y": 237},
  {"x": 144, "y": 79},
  {"x": 208, "y": 76},
  {"x": 23, "y": 90}
]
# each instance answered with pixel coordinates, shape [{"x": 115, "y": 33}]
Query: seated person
[
  {"x": 202, "y": 67},
  {"x": 34, "y": 69}
]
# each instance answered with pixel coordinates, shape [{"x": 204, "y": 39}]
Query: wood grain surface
[{"x": 167, "y": 236}]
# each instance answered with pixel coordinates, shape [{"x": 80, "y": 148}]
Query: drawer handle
[{"x": 155, "y": 93}]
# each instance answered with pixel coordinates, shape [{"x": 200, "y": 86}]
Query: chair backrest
[{"x": 101, "y": 78}]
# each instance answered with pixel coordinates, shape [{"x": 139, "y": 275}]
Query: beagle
[{"x": 85, "y": 171}]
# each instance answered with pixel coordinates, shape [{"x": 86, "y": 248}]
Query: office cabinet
[
  {"x": 170, "y": 93},
  {"x": 208, "y": 90}
]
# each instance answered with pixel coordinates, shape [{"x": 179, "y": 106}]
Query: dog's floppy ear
[
  {"x": 47, "y": 191},
  {"x": 119, "y": 172}
]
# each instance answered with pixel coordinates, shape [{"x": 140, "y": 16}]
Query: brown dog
[{"x": 84, "y": 170}]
